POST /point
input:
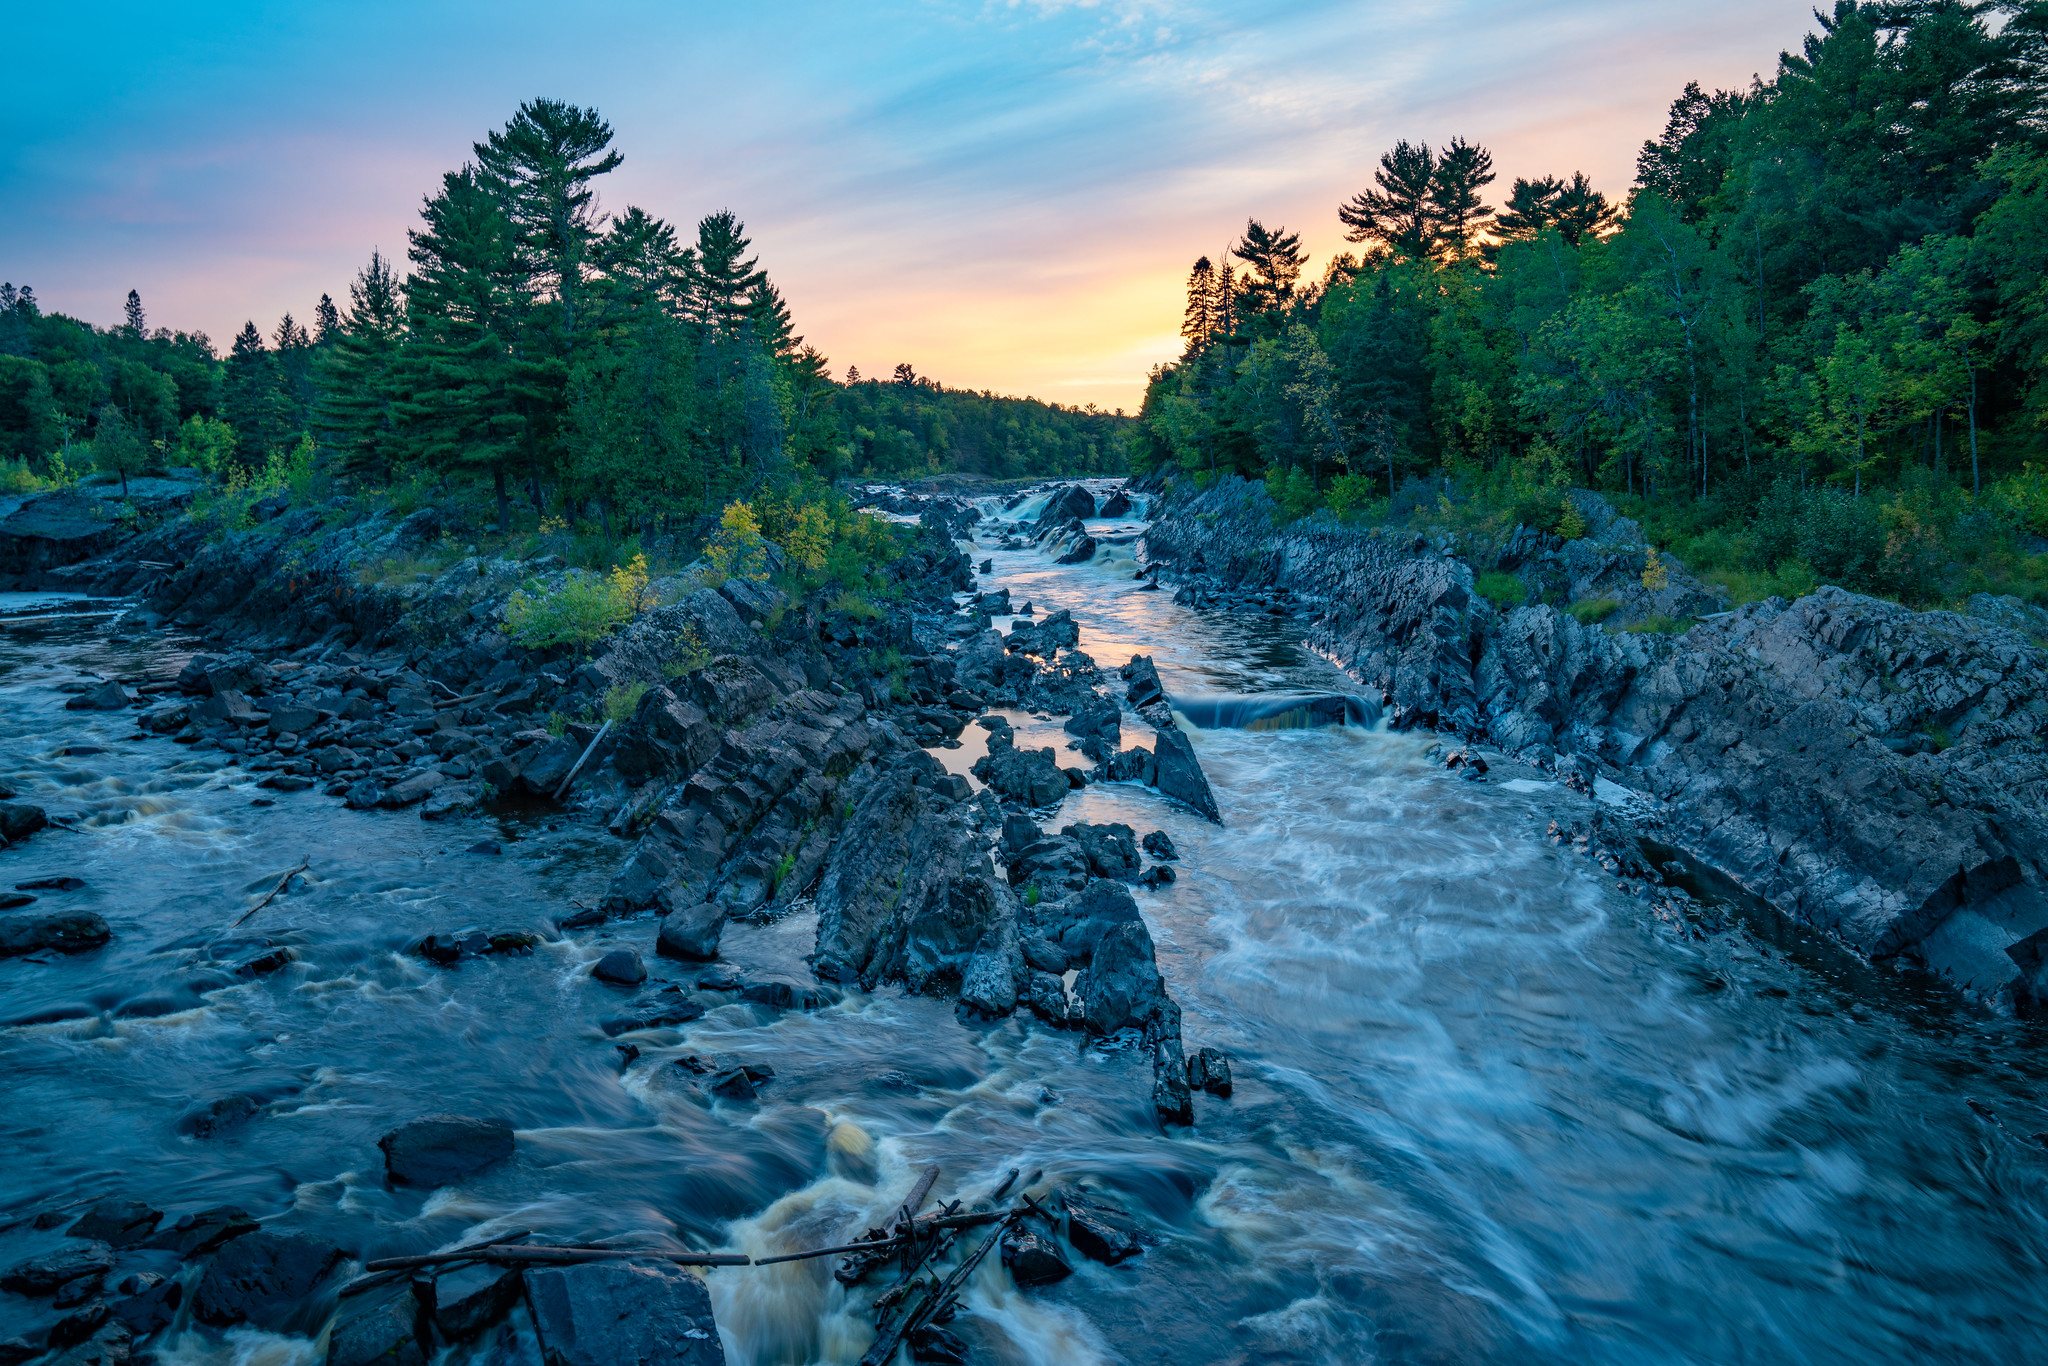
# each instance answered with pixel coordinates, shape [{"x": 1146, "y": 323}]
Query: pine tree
[
  {"x": 723, "y": 283},
  {"x": 772, "y": 321},
  {"x": 134, "y": 324},
  {"x": 1689, "y": 163},
  {"x": 460, "y": 401},
  {"x": 1399, "y": 216},
  {"x": 253, "y": 399},
  {"x": 326, "y": 321},
  {"x": 539, "y": 167},
  {"x": 1198, "y": 322},
  {"x": 1275, "y": 259},
  {"x": 1462, "y": 171},
  {"x": 356, "y": 411}
]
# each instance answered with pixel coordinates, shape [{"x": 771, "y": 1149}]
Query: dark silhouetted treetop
[
  {"x": 1689, "y": 163},
  {"x": 132, "y": 316},
  {"x": 1573, "y": 207},
  {"x": 326, "y": 320},
  {"x": 1274, "y": 259},
  {"x": 1399, "y": 216},
  {"x": 1198, "y": 321},
  {"x": 723, "y": 283},
  {"x": 1462, "y": 171}
]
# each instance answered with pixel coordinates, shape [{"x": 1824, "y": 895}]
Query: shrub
[
  {"x": 622, "y": 700},
  {"x": 855, "y": 606},
  {"x": 583, "y": 611},
  {"x": 738, "y": 551},
  {"x": 1594, "y": 612},
  {"x": 1504, "y": 591},
  {"x": 1656, "y": 573}
]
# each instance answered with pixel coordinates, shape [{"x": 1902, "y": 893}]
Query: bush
[
  {"x": 855, "y": 606},
  {"x": 583, "y": 611},
  {"x": 1594, "y": 612},
  {"x": 1842, "y": 537},
  {"x": 1504, "y": 591},
  {"x": 622, "y": 700}
]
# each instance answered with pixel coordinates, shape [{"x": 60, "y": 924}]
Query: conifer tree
[
  {"x": 1198, "y": 321},
  {"x": 326, "y": 321},
  {"x": 723, "y": 283},
  {"x": 1462, "y": 171},
  {"x": 539, "y": 167},
  {"x": 133, "y": 321},
  {"x": 357, "y": 408},
  {"x": 1275, "y": 260},
  {"x": 1399, "y": 216},
  {"x": 253, "y": 399}
]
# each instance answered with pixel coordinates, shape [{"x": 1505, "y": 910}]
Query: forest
[
  {"x": 559, "y": 364},
  {"x": 1806, "y": 345}
]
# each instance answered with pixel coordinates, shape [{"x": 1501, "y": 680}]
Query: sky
[{"x": 1006, "y": 195}]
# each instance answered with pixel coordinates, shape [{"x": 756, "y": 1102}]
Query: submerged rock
[
  {"x": 191, "y": 1235},
  {"x": 63, "y": 931},
  {"x": 43, "y": 1275},
  {"x": 616, "y": 1312},
  {"x": 1033, "y": 1259},
  {"x": 441, "y": 1149},
  {"x": 621, "y": 967},
  {"x": 381, "y": 1326},
  {"x": 117, "y": 1223},
  {"x": 263, "y": 1279},
  {"x": 692, "y": 933}
]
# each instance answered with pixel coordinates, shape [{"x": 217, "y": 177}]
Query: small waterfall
[{"x": 1278, "y": 711}]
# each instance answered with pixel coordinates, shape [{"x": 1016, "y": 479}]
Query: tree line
[
  {"x": 574, "y": 362},
  {"x": 1808, "y": 343}
]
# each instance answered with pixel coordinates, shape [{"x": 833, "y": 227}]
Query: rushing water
[{"x": 1486, "y": 1108}]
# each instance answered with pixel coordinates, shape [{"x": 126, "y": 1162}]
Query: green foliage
[
  {"x": 1504, "y": 591},
  {"x": 621, "y": 700},
  {"x": 585, "y": 609},
  {"x": 1032, "y": 895},
  {"x": 855, "y": 606},
  {"x": 1594, "y": 612}
]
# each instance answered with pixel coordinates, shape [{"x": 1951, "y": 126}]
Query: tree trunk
[
  {"x": 1976, "y": 485},
  {"x": 504, "y": 503}
]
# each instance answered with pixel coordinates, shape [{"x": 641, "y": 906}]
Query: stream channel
[{"x": 1486, "y": 1108}]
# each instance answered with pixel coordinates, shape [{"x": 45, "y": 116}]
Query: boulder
[
  {"x": 190, "y": 1235},
  {"x": 441, "y": 1149},
  {"x": 1180, "y": 774},
  {"x": 117, "y": 1223},
  {"x": 107, "y": 697},
  {"x": 1033, "y": 1259},
  {"x": 621, "y": 967},
  {"x": 1111, "y": 850},
  {"x": 1118, "y": 504},
  {"x": 1098, "y": 1229},
  {"x": 63, "y": 931},
  {"x": 1077, "y": 924},
  {"x": 146, "y": 1302},
  {"x": 292, "y": 720},
  {"x": 42, "y": 1275},
  {"x": 1031, "y": 777},
  {"x": 381, "y": 1327},
  {"x": 1054, "y": 866},
  {"x": 622, "y": 1313},
  {"x": 19, "y": 820},
  {"x": 1159, "y": 845},
  {"x": 779, "y": 993},
  {"x": 1144, "y": 689},
  {"x": 1209, "y": 1070},
  {"x": 1158, "y": 875},
  {"x": 1044, "y": 954},
  {"x": 1080, "y": 551},
  {"x": 692, "y": 933},
  {"x": 1046, "y": 995},
  {"x": 468, "y": 1299},
  {"x": 1172, "y": 1101},
  {"x": 416, "y": 788},
  {"x": 1070, "y": 502},
  {"x": 264, "y": 1279},
  {"x": 1132, "y": 766},
  {"x": 1122, "y": 987}
]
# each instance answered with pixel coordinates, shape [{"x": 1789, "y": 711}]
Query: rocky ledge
[{"x": 1876, "y": 773}]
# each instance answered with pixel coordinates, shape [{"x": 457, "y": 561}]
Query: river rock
[
  {"x": 192, "y": 1235},
  {"x": 416, "y": 788},
  {"x": 441, "y": 1149},
  {"x": 1079, "y": 551},
  {"x": 381, "y": 1326},
  {"x": 1209, "y": 1070},
  {"x": 1032, "y": 777},
  {"x": 212, "y": 1117},
  {"x": 779, "y": 993},
  {"x": 469, "y": 1299},
  {"x": 1158, "y": 875},
  {"x": 1077, "y": 924},
  {"x": 42, "y": 1275},
  {"x": 108, "y": 697},
  {"x": 1143, "y": 690},
  {"x": 264, "y": 1279},
  {"x": 1172, "y": 1099},
  {"x": 19, "y": 820},
  {"x": 1159, "y": 845},
  {"x": 1044, "y": 954},
  {"x": 1122, "y": 986},
  {"x": 1118, "y": 504},
  {"x": 692, "y": 933},
  {"x": 63, "y": 931},
  {"x": 1098, "y": 1229},
  {"x": 146, "y": 1301},
  {"x": 621, "y": 967},
  {"x": 292, "y": 720},
  {"x": 1070, "y": 502},
  {"x": 117, "y": 1223},
  {"x": 622, "y": 1313},
  {"x": 1180, "y": 774},
  {"x": 1033, "y": 1259},
  {"x": 1132, "y": 766},
  {"x": 1055, "y": 866},
  {"x": 1111, "y": 850},
  {"x": 1045, "y": 993}
]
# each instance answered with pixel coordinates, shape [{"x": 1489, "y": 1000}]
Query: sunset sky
[{"x": 1006, "y": 195}]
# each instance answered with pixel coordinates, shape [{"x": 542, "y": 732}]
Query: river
[{"x": 1486, "y": 1108}]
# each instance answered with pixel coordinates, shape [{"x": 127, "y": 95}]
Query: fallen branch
[
  {"x": 588, "y": 750},
  {"x": 271, "y": 895},
  {"x": 554, "y": 1256}
]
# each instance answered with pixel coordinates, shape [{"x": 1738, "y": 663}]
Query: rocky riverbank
[
  {"x": 765, "y": 754},
  {"x": 1876, "y": 773}
]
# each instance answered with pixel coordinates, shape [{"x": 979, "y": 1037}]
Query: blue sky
[{"x": 1005, "y": 194}]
